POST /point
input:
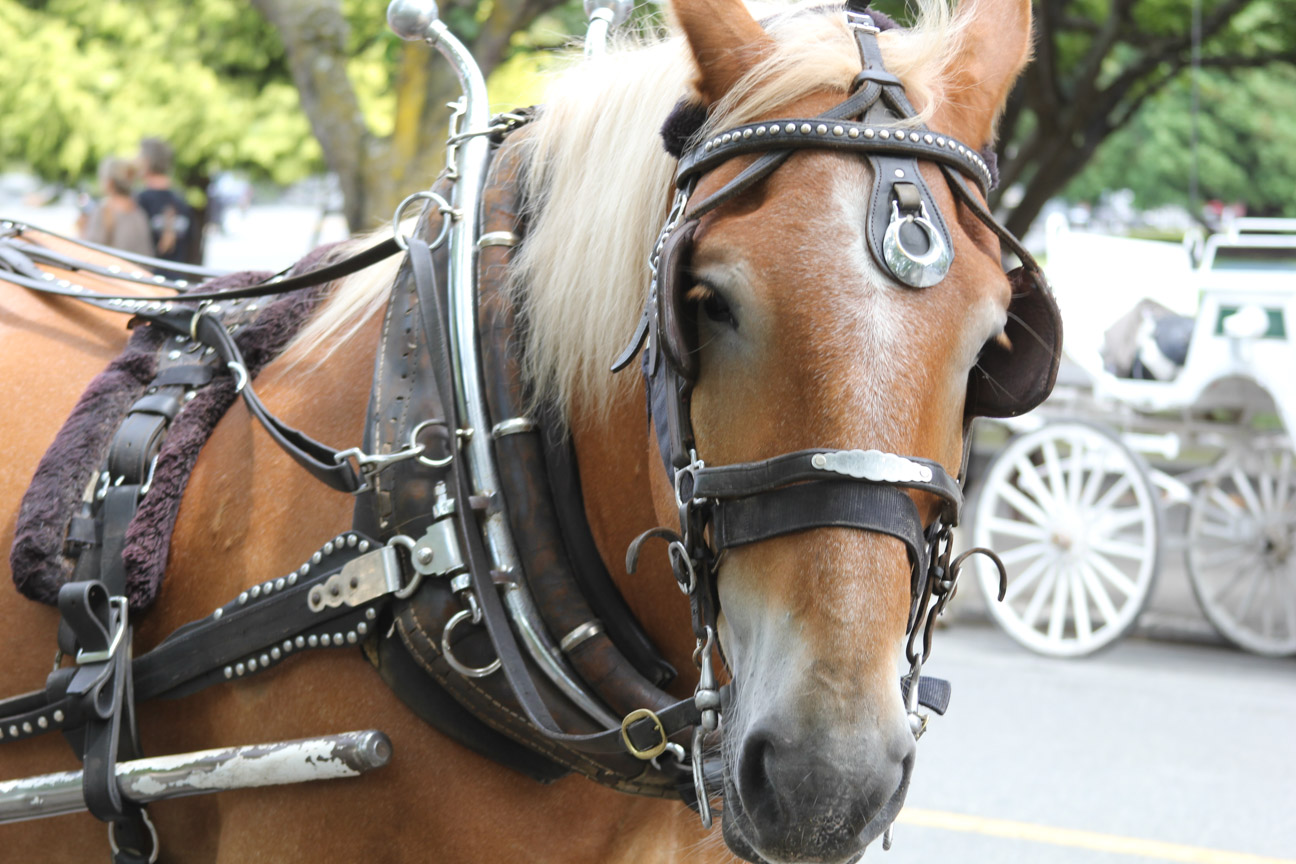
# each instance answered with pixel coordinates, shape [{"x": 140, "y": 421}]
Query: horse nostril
[{"x": 757, "y": 773}]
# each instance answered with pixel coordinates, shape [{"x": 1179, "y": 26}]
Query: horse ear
[
  {"x": 726, "y": 42},
  {"x": 996, "y": 46}
]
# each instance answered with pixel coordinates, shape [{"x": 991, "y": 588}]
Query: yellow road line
[{"x": 1079, "y": 839}]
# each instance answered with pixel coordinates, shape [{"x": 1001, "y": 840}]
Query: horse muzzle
[{"x": 789, "y": 799}]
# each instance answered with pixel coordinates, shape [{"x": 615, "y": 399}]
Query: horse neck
[{"x": 621, "y": 473}]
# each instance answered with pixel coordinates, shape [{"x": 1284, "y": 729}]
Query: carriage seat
[{"x": 1149, "y": 342}]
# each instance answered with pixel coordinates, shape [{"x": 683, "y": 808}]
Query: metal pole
[
  {"x": 603, "y": 16},
  {"x": 349, "y": 754}
]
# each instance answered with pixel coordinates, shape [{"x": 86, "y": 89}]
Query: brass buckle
[{"x": 652, "y": 752}]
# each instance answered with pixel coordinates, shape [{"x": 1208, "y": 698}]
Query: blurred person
[
  {"x": 118, "y": 221},
  {"x": 170, "y": 218}
]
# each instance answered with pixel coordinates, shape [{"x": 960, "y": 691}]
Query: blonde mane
[{"x": 598, "y": 183}]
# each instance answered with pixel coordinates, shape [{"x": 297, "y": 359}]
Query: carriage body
[{"x": 1198, "y": 464}]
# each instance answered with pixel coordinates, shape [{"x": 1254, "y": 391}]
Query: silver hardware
[
  {"x": 155, "y": 848},
  {"x": 699, "y": 779},
  {"x": 437, "y": 552},
  {"x": 239, "y": 371},
  {"x": 875, "y": 465},
  {"x": 370, "y": 464},
  {"x": 913, "y": 269},
  {"x": 678, "y": 553},
  {"x": 580, "y": 633},
  {"x": 888, "y": 837},
  {"x": 444, "y": 504},
  {"x": 498, "y": 238},
  {"x": 603, "y": 16},
  {"x": 119, "y": 602},
  {"x": 416, "y": 446},
  {"x": 412, "y": 20},
  {"x": 512, "y": 426},
  {"x": 448, "y": 216},
  {"x": 466, "y": 671},
  {"x": 148, "y": 482},
  {"x": 363, "y": 579}
]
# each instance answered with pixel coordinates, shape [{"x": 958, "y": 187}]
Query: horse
[{"x": 802, "y": 341}]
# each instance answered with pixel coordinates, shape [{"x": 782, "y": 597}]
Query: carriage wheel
[
  {"x": 1242, "y": 549},
  {"x": 1071, "y": 512}
]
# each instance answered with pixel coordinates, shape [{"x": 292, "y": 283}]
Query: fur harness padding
[{"x": 40, "y": 558}]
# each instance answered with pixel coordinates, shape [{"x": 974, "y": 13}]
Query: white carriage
[{"x": 1084, "y": 501}]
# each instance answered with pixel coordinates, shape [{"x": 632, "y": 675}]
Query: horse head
[{"x": 804, "y": 340}]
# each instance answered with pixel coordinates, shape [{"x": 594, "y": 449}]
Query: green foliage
[
  {"x": 85, "y": 79},
  {"x": 1246, "y": 147}
]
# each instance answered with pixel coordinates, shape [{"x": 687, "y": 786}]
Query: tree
[
  {"x": 308, "y": 86},
  {"x": 377, "y": 164},
  {"x": 1245, "y": 134},
  {"x": 1097, "y": 65}
]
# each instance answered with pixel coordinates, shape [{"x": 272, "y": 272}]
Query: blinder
[
  {"x": 1008, "y": 381},
  {"x": 677, "y": 325}
]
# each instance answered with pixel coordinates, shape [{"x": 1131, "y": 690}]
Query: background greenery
[{"x": 283, "y": 89}]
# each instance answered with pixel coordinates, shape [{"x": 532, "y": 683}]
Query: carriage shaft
[{"x": 348, "y": 754}]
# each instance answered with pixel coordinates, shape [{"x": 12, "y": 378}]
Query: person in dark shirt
[{"x": 170, "y": 217}]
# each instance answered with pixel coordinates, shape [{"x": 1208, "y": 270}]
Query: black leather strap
[
  {"x": 319, "y": 459},
  {"x": 752, "y": 478},
  {"x": 826, "y": 503},
  {"x": 274, "y": 286}
]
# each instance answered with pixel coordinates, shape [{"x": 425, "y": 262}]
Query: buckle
[
  {"x": 861, "y": 21},
  {"x": 644, "y": 753},
  {"x": 83, "y": 657}
]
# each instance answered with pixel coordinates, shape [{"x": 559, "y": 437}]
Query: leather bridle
[{"x": 723, "y": 507}]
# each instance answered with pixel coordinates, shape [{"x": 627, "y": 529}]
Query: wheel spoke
[
  {"x": 1057, "y": 616},
  {"x": 1120, "y": 549},
  {"x": 1246, "y": 490},
  {"x": 1284, "y": 480},
  {"x": 1080, "y": 603},
  {"x": 1122, "y": 517},
  {"x": 1053, "y": 465},
  {"x": 1014, "y": 528},
  {"x": 1109, "y": 571},
  {"x": 1253, "y": 588},
  {"x": 1221, "y": 531},
  {"x": 1028, "y": 480},
  {"x": 1076, "y": 477},
  {"x": 1225, "y": 502},
  {"x": 1094, "y": 481},
  {"x": 1112, "y": 495},
  {"x": 1099, "y": 594},
  {"x": 1239, "y": 569},
  {"x": 1032, "y": 613},
  {"x": 1226, "y": 555},
  {"x": 1018, "y": 584},
  {"x": 1024, "y": 552},
  {"x": 1024, "y": 505}
]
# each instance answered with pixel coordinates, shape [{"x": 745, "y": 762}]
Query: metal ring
[
  {"x": 652, "y": 752},
  {"x": 466, "y": 671},
  {"x": 579, "y": 634},
  {"x": 431, "y": 463},
  {"x": 916, "y": 271},
  {"x": 676, "y": 548},
  {"x": 153, "y": 835},
  {"x": 443, "y": 207}
]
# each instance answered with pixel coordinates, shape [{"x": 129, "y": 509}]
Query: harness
[{"x": 439, "y": 583}]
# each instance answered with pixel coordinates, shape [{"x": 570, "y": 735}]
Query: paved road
[{"x": 1189, "y": 747}]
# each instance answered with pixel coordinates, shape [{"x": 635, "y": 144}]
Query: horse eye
[{"x": 717, "y": 309}]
